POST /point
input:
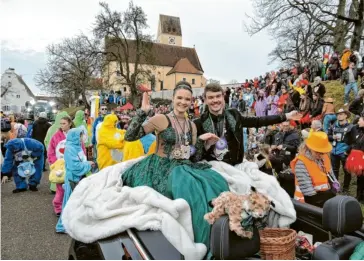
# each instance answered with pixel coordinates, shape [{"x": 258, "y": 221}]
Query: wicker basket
[{"x": 277, "y": 244}]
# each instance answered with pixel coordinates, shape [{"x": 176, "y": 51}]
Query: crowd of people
[{"x": 284, "y": 123}]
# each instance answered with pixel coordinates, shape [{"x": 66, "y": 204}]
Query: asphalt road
[{"x": 28, "y": 225}]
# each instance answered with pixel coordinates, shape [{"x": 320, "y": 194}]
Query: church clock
[{"x": 171, "y": 40}]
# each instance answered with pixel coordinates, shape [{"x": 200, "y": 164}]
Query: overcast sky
[{"x": 216, "y": 28}]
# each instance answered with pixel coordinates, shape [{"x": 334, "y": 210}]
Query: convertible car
[{"x": 338, "y": 226}]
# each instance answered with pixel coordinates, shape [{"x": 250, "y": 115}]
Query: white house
[{"x": 14, "y": 92}]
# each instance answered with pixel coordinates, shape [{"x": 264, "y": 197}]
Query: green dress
[{"x": 196, "y": 183}]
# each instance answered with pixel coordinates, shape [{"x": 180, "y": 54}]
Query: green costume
[
  {"x": 80, "y": 121},
  {"x": 51, "y": 131},
  {"x": 196, "y": 183}
]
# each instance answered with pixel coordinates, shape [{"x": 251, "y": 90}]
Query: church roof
[
  {"x": 170, "y": 25},
  {"x": 184, "y": 66},
  {"x": 160, "y": 54}
]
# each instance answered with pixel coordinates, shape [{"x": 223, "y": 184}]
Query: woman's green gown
[{"x": 196, "y": 183}]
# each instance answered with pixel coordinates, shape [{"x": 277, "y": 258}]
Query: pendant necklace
[
  {"x": 221, "y": 146},
  {"x": 182, "y": 149}
]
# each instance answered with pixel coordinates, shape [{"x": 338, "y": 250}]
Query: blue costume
[
  {"x": 147, "y": 140},
  {"x": 76, "y": 167},
  {"x": 13, "y": 158}
]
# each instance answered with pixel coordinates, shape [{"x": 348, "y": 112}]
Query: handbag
[{"x": 26, "y": 169}]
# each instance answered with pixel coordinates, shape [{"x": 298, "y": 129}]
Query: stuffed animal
[{"x": 239, "y": 207}]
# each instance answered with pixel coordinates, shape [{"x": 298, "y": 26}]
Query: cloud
[{"x": 214, "y": 27}]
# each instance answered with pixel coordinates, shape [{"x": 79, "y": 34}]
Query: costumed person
[
  {"x": 355, "y": 161},
  {"x": 170, "y": 170},
  {"x": 51, "y": 131},
  {"x": 24, "y": 161},
  {"x": 55, "y": 152},
  {"x": 313, "y": 172},
  {"x": 76, "y": 166},
  {"x": 110, "y": 142},
  {"x": 39, "y": 131},
  {"x": 260, "y": 106},
  {"x": 96, "y": 125},
  {"x": 80, "y": 122},
  {"x": 272, "y": 103},
  {"x": 228, "y": 125}
]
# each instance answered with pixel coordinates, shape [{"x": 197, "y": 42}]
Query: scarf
[{"x": 207, "y": 124}]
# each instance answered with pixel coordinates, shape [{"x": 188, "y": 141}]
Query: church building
[{"x": 170, "y": 62}]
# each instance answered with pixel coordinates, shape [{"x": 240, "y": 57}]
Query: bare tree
[
  {"x": 300, "y": 41},
  {"x": 213, "y": 81},
  {"x": 233, "y": 81},
  {"x": 6, "y": 90},
  {"x": 339, "y": 17},
  {"x": 127, "y": 45},
  {"x": 71, "y": 69}
]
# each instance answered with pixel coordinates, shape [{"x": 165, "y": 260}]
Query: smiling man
[{"x": 228, "y": 125}]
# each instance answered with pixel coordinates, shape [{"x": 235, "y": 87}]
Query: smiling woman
[{"x": 170, "y": 170}]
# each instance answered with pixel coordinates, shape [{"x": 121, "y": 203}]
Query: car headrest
[{"x": 342, "y": 215}]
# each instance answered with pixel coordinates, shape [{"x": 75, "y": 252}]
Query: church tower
[{"x": 169, "y": 30}]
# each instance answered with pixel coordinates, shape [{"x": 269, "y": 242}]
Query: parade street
[{"x": 28, "y": 225}]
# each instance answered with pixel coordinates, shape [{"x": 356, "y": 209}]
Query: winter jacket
[
  {"x": 345, "y": 76},
  {"x": 290, "y": 141},
  {"x": 347, "y": 134},
  {"x": 234, "y": 131},
  {"x": 40, "y": 129}
]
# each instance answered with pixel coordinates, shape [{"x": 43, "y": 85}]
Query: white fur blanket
[{"x": 100, "y": 206}]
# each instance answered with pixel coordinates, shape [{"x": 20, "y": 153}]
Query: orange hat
[{"x": 319, "y": 142}]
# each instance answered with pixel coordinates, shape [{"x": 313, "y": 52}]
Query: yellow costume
[
  {"x": 299, "y": 89},
  {"x": 110, "y": 142},
  {"x": 133, "y": 150}
]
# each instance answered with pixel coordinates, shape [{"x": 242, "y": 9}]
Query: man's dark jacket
[
  {"x": 40, "y": 128},
  {"x": 290, "y": 142},
  {"x": 235, "y": 123}
]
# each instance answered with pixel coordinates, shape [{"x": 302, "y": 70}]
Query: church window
[
  {"x": 193, "y": 81},
  {"x": 18, "y": 96},
  {"x": 9, "y": 84}
]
